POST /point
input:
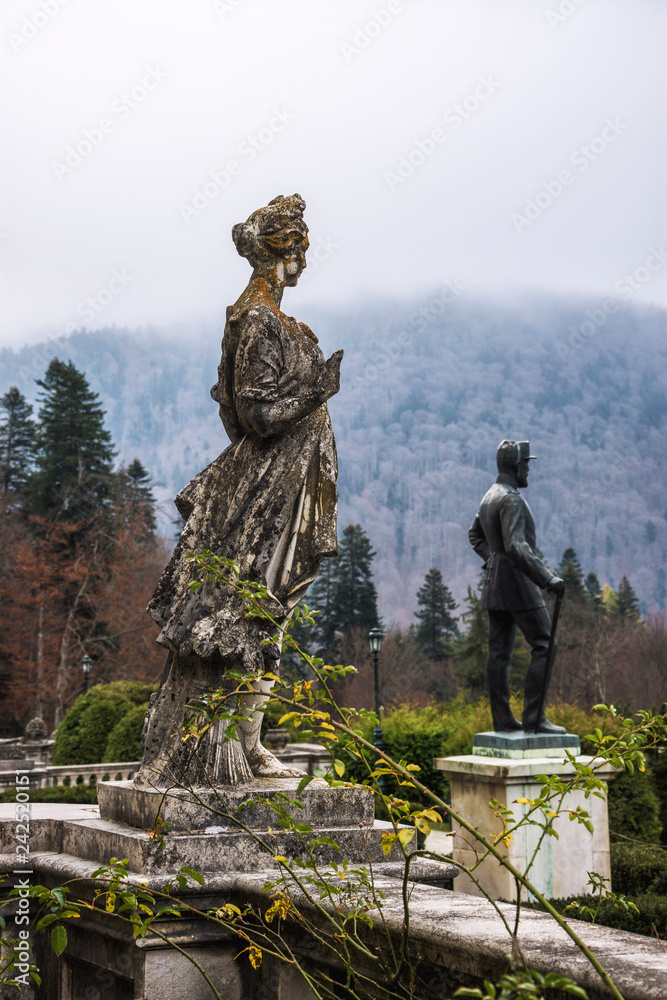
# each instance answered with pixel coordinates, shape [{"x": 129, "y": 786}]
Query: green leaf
[
  {"x": 193, "y": 874},
  {"x": 305, "y": 781},
  {"x": 59, "y": 939},
  {"x": 576, "y": 991}
]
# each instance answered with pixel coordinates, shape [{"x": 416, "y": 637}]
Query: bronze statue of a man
[{"x": 503, "y": 534}]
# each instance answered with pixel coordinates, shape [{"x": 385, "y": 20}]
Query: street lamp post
[
  {"x": 85, "y": 666},
  {"x": 375, "y": 642}
]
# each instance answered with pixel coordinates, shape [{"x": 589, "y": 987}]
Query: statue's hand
[
  {"x": 556, "y": 586},
  {"x": 331, "y": 378}
]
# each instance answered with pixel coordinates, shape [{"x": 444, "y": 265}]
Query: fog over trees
[{"x": 427, "y": 393}]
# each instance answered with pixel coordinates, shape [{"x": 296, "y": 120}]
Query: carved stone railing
[
  {"x": 310, "y": 757},
  {"x": 87, "y": 774}
]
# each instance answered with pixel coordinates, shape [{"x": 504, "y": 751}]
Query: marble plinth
[
  {"x": 562, "y": 865},
  {"x": 214, "y": 810},
  {"x": 522, "y": 745}
]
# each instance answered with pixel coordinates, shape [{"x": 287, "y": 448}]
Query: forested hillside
[{"x": 426, "y": 397}]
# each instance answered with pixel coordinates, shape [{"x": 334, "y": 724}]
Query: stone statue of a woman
[{"x": 268, "y": 502}]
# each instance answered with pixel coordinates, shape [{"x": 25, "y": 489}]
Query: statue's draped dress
[{"x": 268, "y": 502}]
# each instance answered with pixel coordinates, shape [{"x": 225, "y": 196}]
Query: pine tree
[
  {"x": 436, "y": 625},
  {"x": 471, "y": 649},
  {"x": 73, "y": 478},
  {"x": 136, "y": 497},
  {"x": 321, "y": 599},
  {"x": 571, "y": 573},
  {"x": 627, "y": 602},
  {"x": 354, "y": 595},
  {"x": 593, "y": 586},
  {"x": 17, "y": 446}
]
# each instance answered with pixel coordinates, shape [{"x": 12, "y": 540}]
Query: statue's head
[
  {"x": 275, "y": 234},
  {"x": 512, "y": 458}
]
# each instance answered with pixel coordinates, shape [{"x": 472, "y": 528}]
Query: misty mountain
[{"x": 428, "y": 392}]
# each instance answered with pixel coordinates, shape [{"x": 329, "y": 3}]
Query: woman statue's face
[{"x": 295, "y": 262}]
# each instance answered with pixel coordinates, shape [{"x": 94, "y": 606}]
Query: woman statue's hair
[{"x": 272, "y": 231}]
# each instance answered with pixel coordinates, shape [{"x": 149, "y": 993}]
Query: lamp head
[{"x": 375, "y": 639}]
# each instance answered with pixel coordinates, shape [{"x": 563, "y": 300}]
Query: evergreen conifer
[
  {"x": 436, "y": 624},
  {"x": 321, "y": 599},
  {"x": 17, "y": 445},
  {"x": 571, "y": 573},
  {"x": 137, "y": 496},
  {"x": 593, "y": 587},
  {"x": 354, "y": 595},
  {"x": 627, "y": 602},
  {"x": 73, "y": 479}
]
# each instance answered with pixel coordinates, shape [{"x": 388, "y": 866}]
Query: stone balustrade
[
  {"x": 86, "y": 774},
  {"x": 309, "y": 757}
]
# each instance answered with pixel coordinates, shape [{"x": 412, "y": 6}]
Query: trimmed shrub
[
  {"x": 658, "y": 762},
  {"x": 81, "y": 738},
  {"x": 635, "y": 869},
  {"x": 652, "y": 914},
  {"x": 634, "y": 806},
  {"x": 446, "y": 729},
  {"x": 124, "y": 743},
  {"x": 59, "y": 793},
  {"x": 577, "y": 720}
]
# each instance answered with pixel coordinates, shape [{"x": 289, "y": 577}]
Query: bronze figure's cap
[{"x": 511, "y": 452}]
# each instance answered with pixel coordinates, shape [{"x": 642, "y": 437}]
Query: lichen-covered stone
[{"x": 268, "y": 502}]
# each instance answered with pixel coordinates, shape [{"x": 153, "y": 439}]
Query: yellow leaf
[
  {"x": 255, "y": 956},
  {"x": 405, "y": 835},
  {"x": 433, "y": 815},
  {"x": 280, "y": 908},
  {"x": 286, "y": 718},
  {"x": 422, "y": 825},
  {"x": 339, "y": 768},
  {"x": 328, "y": 736},
  {"x": 280, "y": 857},
  {"x": 111, "y": 902},
  {"x": 388, "y": 842},
  {"x": 523, "y": 802}
]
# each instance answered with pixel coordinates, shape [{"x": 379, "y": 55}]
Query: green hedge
[
  {"x": 652, "y": 914},
  {"x": 446, "y": 729},
  {"x": 639, "y": 873},
  {"x": 658, "y": 764},
  {"x": 636, "y": 868},
  {"x": 60, "y": 793},
  {"x": 82, "y": 736},
  {"x": 634, "y": 806},
  {"x": 124, "y": 741}
]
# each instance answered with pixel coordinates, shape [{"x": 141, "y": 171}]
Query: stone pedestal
[
  {"x": 505, "y": 767},
  {"x": 102, "y": 957}
]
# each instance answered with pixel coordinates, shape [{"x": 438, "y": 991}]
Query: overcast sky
[{"x": 512, "y": 145}]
